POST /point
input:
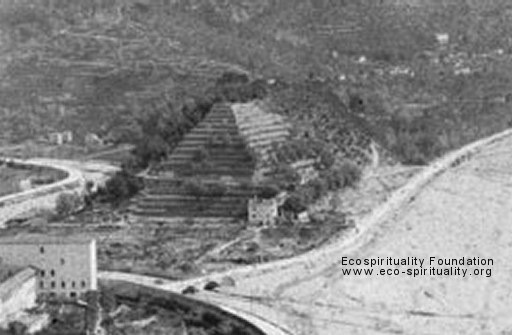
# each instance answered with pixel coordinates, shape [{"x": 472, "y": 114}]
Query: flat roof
[{"x": 45, "y": 239}]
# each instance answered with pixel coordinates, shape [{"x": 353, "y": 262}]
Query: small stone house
[
  {"x": 442, "y": 38},
  {"x": 25, "y": 184},
  {"x": 262, "y": 211},
  {"x": 67, "y": 136},
  {"x": 303, "y": 217},
  {"x": 56, "y": 138},
  {"x": 60, "y": 138}
]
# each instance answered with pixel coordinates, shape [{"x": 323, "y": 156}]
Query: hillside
[{"x": 104, "y": 65}]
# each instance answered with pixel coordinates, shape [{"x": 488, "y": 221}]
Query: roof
[{"x": 45, "y": 239}]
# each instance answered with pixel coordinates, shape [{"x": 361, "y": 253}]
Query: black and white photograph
[{"x": 255, "y": 167}]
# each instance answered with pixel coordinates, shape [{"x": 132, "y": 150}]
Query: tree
[
  {"x": 195, "y": 187},
  {"x": 165, "y": 258},
  {"x": 216, "y": 190},
  {"x": 200, "y": 155},
  {"x": 108, "y": 300},
  {"x": 17, "y": 328},
  {"x": 326, "y": 159},
  {"x": 230, "y": 77},
  {"x": 351, "y": 174},
  {"x": 67, "y": 203},
  {"x": 317, "y": 188},
  {"x": 268, "y": 191},
  {"x": 122, "y": 185},
  {"x": 294, "y": 204},
  {"x": 286, "y": 176},
  {"x": 332, "y": 179},
  {"x": 356, "y": 103}
]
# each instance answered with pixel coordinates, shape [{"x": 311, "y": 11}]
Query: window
[
  {"x": 42, "y": 273},
  {"x": 63, "y": 284},
  {"x": 41, "y": 285},
  {"x": 73, "y": 284},
  {"x": 52, "y": 284},
  {"x": 72, "y": 294},
  {"x": 52, "y": 273},
  {"x": 41, "y": 250},
  {"x": 83, "y": 284},
  {"x": 62, "y": 261}
]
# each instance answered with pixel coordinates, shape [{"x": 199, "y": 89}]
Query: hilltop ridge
[{"x": 104, "y": 65}]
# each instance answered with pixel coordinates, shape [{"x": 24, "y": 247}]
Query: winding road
[
  {"x": 45, "y": 196},
  {"x": 464, "y": 212},
  {"x": 453, "y": 209}
]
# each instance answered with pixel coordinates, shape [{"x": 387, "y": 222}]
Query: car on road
[
  {"x": 189, "y": 290},
  {"x": 211, "y": 286}
]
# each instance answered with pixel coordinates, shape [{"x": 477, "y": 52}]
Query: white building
[
  {"x": 442, "y": 38},
  {"x": 56, "y": 138},
  {"x": 67, "y": 136},
  {"x": 66, "y": 267},
  {"x": 25, "y": 184},
  {"x": 60, "y": 138},
  {"x": 303, "y": 217}
]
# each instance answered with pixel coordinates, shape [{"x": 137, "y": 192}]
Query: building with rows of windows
[{"x": 66, "y": 267}]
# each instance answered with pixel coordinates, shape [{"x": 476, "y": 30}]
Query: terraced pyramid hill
[
  {"x": 211, "y": 172},
  {"x": 212, "y": 150}
]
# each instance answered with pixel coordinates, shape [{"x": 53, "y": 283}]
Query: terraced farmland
[
  {"x": 211, "y": 171},
  {"x": 260, "y": 129}
]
